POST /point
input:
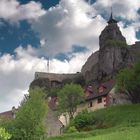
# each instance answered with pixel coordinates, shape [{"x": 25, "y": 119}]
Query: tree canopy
[
  {"x": 29, "y": 121},
  {"x": 128, "y": 82},
  {"x": 69, "y": 97}
]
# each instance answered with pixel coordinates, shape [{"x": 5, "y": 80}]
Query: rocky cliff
[
  {"x": 114, "y": 54},
  {"x": 90, "y": 68}
]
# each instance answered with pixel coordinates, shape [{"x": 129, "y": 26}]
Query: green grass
[
  {"x": 122, "y": 123},
  {"x": 129, "y": 134}
]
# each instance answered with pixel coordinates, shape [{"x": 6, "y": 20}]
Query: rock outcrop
[
  {"x": 114, "y": 54},
  {"x": 111, "y": 32},
  {"x": 90, "y": 68},
  {"x": 135, "y": 51},
  {"x": 112, "y": 59}
]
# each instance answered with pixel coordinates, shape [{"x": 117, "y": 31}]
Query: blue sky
[{"x": 65, "y": 31}]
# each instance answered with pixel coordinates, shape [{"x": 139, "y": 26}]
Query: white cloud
[
  {"x": 126, "y": 9},
  {"x": 13, "y": 11},
  {"x": 69, "y": 24},
  {"x": 129, "y": 32}
]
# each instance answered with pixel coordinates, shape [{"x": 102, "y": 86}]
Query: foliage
[
  {"x": 106, "y": 118},
  {"x": 83, "y": 119},
  {"x": 7, "y": 124},
  {"x": 4, "y": 135},
  {"x": 69, "y": 97},
  {"x": 128, "y": 82},
  {"x": 71, "y": 129},
  {"x": 29, "y": 121},
  {"x": 43, "y": 83},
  {"x": 53, "y": 92},
  {"x": 116, "y": 43},
  {"x": 79, "y": 79}
]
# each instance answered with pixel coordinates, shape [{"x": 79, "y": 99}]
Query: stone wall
[
  {"x": 56, "y": 76},
  {"x": 52, "y": 123}
]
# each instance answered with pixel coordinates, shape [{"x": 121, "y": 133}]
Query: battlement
[{"x": 55, "y": 76}]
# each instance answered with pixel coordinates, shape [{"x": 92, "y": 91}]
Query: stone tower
[{"x": 113, "y": 51}]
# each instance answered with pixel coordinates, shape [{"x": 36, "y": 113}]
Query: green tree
[
  {"x": 29, "y": 121},
  {"x": 128, "y": 82},
  {"x": 4, "y": 135},
  {"x": 69, "y": 97}
]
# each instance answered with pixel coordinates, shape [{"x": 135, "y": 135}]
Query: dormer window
[
  {"x": 101, "y": 89},
  {"x": 88, "y": 91}
]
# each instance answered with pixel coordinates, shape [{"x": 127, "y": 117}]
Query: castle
[{"x": 97, "y": 74}]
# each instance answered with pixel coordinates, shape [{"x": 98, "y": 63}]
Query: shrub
[
  {"x": 128, "y": 82},
  {"x": 4, "y": 135},
  {"x": 84, "y": 119},
  {"x": 72, "y": 129},
  {"x": 116, "y": 43}
]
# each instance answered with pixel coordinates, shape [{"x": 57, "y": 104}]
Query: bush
[
  {"x": 128, "y": 82},
  {"x": 84, "y": 119},
  {"x": 71, "y": 129},
  {"x": 4, "y": 135},
  {"x": 116, "y": 43}
]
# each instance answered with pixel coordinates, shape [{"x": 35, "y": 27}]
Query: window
[
  {"x": 91, "y": 104},
  {"x": 101, "y": 89},
  {"x": 100, "y": 100}
]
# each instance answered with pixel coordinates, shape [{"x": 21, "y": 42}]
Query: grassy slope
[{"x": 123, "y": 123}]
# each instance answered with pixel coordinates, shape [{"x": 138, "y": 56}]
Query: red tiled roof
[{"x": 109, "y": 85}]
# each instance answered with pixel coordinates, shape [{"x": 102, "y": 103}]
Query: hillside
[{"x": 123, "y": 122}]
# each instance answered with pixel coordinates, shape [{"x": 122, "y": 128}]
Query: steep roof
[
  {"x": 7, "y": 114},
  {"x": 109, "y": 85}
]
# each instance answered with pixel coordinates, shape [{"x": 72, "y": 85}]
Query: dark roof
[
  {"x": 7, "y": 114},
  {"x": 111, "y": 20},
  {"x": 109, "y": 85}
]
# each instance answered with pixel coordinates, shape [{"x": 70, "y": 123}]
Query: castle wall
[{"x": 55, "y": 77}]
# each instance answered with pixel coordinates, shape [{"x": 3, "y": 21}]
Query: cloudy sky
[{"x": 65, "y": 31}]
